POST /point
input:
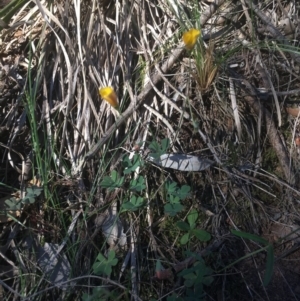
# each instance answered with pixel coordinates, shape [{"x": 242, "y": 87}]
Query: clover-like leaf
[
  {"x": 103, "y": 266},
  {"x": 171, "y": 187},
  {"x": 34, "y": 191},
  {"x": 13, "y": 204},
  {"x": 31, "y": 194},
  {"x": 202, "y": 235},
  {"x": 173, "y": 209},
  {"x": 158, "y": 149},
  {"x": 28, "y": 200},
  {"x": 183, "y": 226},
  {"x": 138, "y": 184},
  {"x": 131, "y": 165},
  {"x": 192, "y": 218},
  {"x": 185, "y": 238},
  {"x": 189, "y": 279},
  {"x": 165, "y": 144},
  {"x": 183, "y": 192},
  {"x": 173, "y": 199},
  {"x": 112, "y": 182},
  {"x": 134, "y": 204}
]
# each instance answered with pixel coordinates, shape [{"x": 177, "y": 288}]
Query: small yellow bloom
[
  {"x": 109, "y": 95},
  {"x": 190, "y": 38}
]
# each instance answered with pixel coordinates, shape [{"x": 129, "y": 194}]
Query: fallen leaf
[{"x": 182, "y": 162}]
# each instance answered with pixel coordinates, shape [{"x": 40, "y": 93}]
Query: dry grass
[{"x": 228, "y": 100}]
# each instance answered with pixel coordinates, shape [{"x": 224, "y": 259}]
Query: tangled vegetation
[{"x": 149, "y": 150}]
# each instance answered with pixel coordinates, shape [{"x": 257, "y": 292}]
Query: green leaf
[
  {"x": 270, "y": 265},
  {"x": 155, "y": 148},
  {"x": 172, "y": 209},
  {"x": 183, "y": 192},
  {"x": 107, "y": 182},
  {"x": 188, "y": 253},
  {"x": 189, "y": 282},
  {"x": 137, "y": 201},
  {"x": 183, "y": 226},
  {"x": 34, "y": 191},
  {"x": 202, "y": 235},
  {"x": 158, "y": 149},
  {"x": 100, "y": 257},
  {"x": 128, "y": 207},
  {"x": 28, "y": 200},
  {"x": 112, "y": 182},
  {"x": 103, "y": 266},
  {"x": 134, "y": 204},
  {"x": 250, "y": 236},
  {"x": 31, "y": 194},
  {"x": 171, "y": 187},
  {"x": 111, "y": 255},
  {"x": 199, "y": 278},
  {"x": 190, "y": 276},
  {"x": 185, "y": 238},
  {"x": 138, "y": 184},
  {"x": 192, "y": 218},
  {"x": 131, "y": 165},
  {"x": 10, "y": 9},
  {"x": 13, "y": 204},
  {"x": 173, "y": 199},
  {"x": 114, "y": 175},
  {"x": 165, "y": 144}
]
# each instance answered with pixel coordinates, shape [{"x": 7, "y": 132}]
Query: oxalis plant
[
  {"x": 195, "y": 277},
  {"x": 30, "y": 197},
  {"x": 136, "y": 185},
  {"x": 173, "y": 195}
]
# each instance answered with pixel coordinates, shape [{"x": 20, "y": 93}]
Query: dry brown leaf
[{"x": 293, "y": 111}]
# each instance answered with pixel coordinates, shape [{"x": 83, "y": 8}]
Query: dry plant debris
[{"x": 208, "y": 91}]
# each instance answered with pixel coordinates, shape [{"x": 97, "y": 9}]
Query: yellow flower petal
[
  {"x": 109, "y": 95},
  {"x": 190, "y": 38}
]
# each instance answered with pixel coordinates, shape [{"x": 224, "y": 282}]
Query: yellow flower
[
  {"x": 109, "y": 95},
  {"x": 190, "y": 38}
]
